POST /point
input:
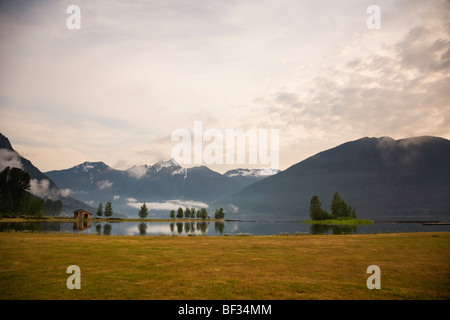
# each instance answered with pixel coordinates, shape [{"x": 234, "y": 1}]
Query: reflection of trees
[
  {"x": 219, "y": 226},
  {"x": 98, "y": 228},
  {"x": 142, "y": 227},
  {"x": 35, "y": 226},
  {"x": 180, "y": 227},
  {"x": 335, "y": 228},
  {"x": 107, "y": 229},
  {"x": 189, "y": 227},
  {"x": 202, "y": 227}
]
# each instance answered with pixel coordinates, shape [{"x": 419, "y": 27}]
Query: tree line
[
  {"x": 339, "y": 209},
  {"x": 107, "y": 211},
  {"x": 16, "y": 199},
  {"x": 188, "y": 213},
  {"x": 191, "y": 213}
]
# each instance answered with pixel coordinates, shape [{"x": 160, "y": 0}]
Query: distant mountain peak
[
  {"x": 88, "y": 166},
  {"x": 4, "y": 143},
  {"x": 169, "y": 163},
  {"x": 138, "y": 171},
  {"x": 251, "y": 172}
]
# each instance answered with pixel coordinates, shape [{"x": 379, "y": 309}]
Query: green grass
[
  {"x": 340, "y": 221},
  {"x": 413, "y": 266}
]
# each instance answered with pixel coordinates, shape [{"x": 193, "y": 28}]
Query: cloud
[
  {"x": 104, "y": 184},
  {"x": 400, "y": 92},
  {"x": 422, "y": 50},
  {"x": 320, "y": 75},
  {"x": 137, "y": 172},
  {"x": 9, "y": 158},
  {"x": 42, "y": 189},
  {"x": 167, "y": 205}
]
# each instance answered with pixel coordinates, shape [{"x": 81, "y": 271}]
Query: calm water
[{"x": 213, "y": 228}]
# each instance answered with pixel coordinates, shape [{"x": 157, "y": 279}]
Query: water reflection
[
  {"x": 82, "y": 224},
  {"x": 107, "y": 229},
  {"x": 179, "y": 227},
  {"x": 142, "y": 229},
  {"x": 333, "y": 229},
  {"x": 202, "y": 227},
  {"x": 219, "y": 226},
  {"x": 98, "y": 228},
  {"x": 187, "y": 228}
]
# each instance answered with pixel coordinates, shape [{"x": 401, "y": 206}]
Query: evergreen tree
[
  {"x": 340, "y": 210},
  {"x": 48, "y": 207},
  {"x": 172, "y": 214},
  {"x": 180, "y": 213},
  {"x": 219, "y": 214},
  {"x": 315, "y": 209},
  {"x": 143, "y": 212},
  {"x": 52, "y": 208},
  {"x": 14, "y": 186},
  {"x": 99, "y": 210},
  {"x": 187, "y": 213},
  {"x": 57, "y": 207},
  {"x": 203, "y": 213},
  {"x": 108, "y": 210}
]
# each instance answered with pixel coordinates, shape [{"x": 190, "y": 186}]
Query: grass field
[{"x": 413, "y": 266}]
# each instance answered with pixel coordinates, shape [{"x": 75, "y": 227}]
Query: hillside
[
  {"x": 41, "y": 185},
  {"x": 163, "y": 182},
  {"x": 383, "y": 178}
]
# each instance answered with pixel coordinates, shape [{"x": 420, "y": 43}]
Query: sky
[{"x": 135, "y": 72}]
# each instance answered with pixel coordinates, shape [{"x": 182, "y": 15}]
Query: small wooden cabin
[{"x": 81, "y": 214}]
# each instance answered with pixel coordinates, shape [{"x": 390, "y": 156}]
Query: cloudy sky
[{"x": 116, "y": 89}]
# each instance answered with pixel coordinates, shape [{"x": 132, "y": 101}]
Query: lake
[{"x": 208, "y": 228}]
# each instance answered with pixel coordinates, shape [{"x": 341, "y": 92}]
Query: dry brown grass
[{"x": 413, "y": 266}]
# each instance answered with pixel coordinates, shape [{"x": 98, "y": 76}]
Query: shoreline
[{"x": 324, "y": 222}]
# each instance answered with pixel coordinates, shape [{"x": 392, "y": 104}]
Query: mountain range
[
  {"x": 383, "y": 178},
  {"x": 165, "y": 184}
]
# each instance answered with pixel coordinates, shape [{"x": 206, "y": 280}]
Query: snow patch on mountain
[
  {"x": 138, "y": 172},
  {"x": 251, "y": 172},
  {"x": 181, "y": 171},
  {"x": 165, "y": 164}
]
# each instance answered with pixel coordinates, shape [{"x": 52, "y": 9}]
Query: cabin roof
[{"x": 82, "y": 210}]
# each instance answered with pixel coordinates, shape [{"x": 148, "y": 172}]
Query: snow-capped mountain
[
  {"x": 248, "y": 176},
  {"x": 140, "y": 171},
  {"x": 95, "y": 182}
]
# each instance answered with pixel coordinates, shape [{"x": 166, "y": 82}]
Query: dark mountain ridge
[
  {"x": 382, "y": 178},
  {"x": 44, "y": 186}
]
